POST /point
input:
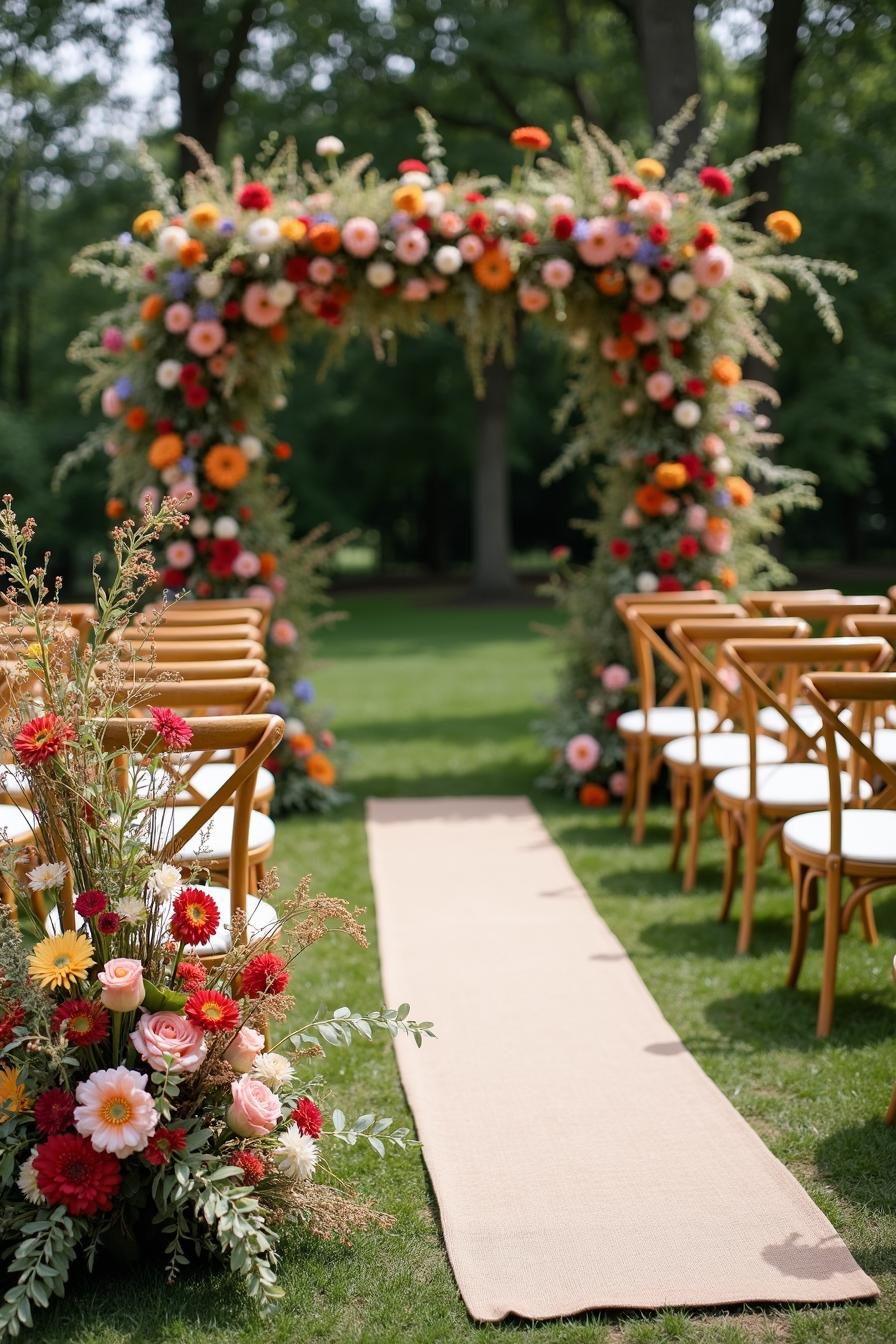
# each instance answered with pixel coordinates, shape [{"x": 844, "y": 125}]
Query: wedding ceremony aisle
[{"x": 436, "y": 700}]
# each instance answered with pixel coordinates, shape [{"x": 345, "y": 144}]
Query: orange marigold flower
[
  {"x": 293, "y": 230},
  {"x": 152, "y": 307},
  {"x": 302, "y": 743},
  {"x": 325, "y": 238},
  {"x": 409, "y": 198},
  {"x": 650, "y": 500},
  {"x": 741, "y": 491},
  {"x": 670, "y": 475},
  {"x": 493, "y": 270},
  {"x": 320, "y": 769},
  {"x": 530, "y": 137},
  {"x": 784, "y": 225},
  {"x": 610, "y": 280},
  {"x": 192, "y": 253},
  {"x": 225, "y": 466},
  {"x": 593, "y": 795},
  {"x": 147, "y": 222},
  {"x": 268, "y": 562},
  {"x": 626, "y": 348},
  {"x": 136, "y": 418},
  {"x": 726, "y": 370},
  {"x": 164, "y": 451},
  {"x": 204, "y": 215},
  {"x": 115, "y": 508},
  {"x": 727, "y": 577},
  {"x": 136, "y": 342}
]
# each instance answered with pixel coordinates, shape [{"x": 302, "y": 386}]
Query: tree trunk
[
  {"x": 492, "y": 546},
  {"x": 205, "y": 85},
  {"x": 775, "y": 115},
  {"x": 667, "y": 46}
]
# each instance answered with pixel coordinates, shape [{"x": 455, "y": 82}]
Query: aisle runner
[{"x": 579, "y": 1155}]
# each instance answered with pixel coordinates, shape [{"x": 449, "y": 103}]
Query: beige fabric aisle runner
[{"x": 580, "y": 1156}]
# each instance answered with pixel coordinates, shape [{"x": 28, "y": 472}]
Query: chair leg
[
  {"x": 891, "y": 1110},
  {"x": 731, "y": 836},
  {"x": 695, "y": 826},
  {"x": 631, "y": 770},
  {"x": 751, "y": 864},
  {"x": 831, "y": 948},
  {"x": 642, "y": 789},
  {"x": 869, "y": 924},
  {"x": 800, "y": 932},
  {"x": 679, "y": 797}
]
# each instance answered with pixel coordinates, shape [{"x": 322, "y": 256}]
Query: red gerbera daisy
[
  {"x": 108, "y": 922},
  {"x": 308, "y": 1117},
  {"x": 255, "y": 196},
  {"x": 42, "y": 738},
  {"x": 174, "y": 731},
  {"x": 250, "y": 1164},
  {"x": 212, "y": 1011},
  {"x": 191, "y": 975},
  {"x": 85, "y": 1022},
  {"x": 12, "y": 1018},
  {"x": 90, "y": 903},
  {"x": 163, "y": 1145},
  {"x": 54, "y": 1111},
  {"x": 265, "y": 974},
  {"x": 71, "y": 1172},
  {"x": 717, "y": 180},
  {"x": 195, "y": 916}
]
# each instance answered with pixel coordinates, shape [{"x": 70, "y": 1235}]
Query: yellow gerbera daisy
[
  {"x": 57, "y": 962},
  {"x": 13, "y": 1097}
]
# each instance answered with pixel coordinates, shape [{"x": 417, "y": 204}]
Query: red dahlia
[
  {"x": 54, "y": 1111},
  {"x": 163, "y": 1145},
  {"x": 669, "y": 584},
  {"x": 189, "y": 373},
  {"x": 12, "y": 1018},
  {"x": 108, "y": 922},
  {"x": 659, "y": 234},
  {"x": 688, "y": 547},
  {"x": 255, "y": 196},
  {"x": 191, "y": 975},
  {"x": 665, "y": 560},
  {"x": 250, "y": 1164},
  {"x": 71, "y": 1172},
  {"x": 42, "y": 738},
  {"x": 477, "y": 221},
  {"x": 705, "y": 236},
  {"x": 308, "y": 1117},
  {"x": 716, "y": 180},
  {"x": 84, "y": 1022},
  {"x": 90, "y": 903},
  {"x": 627, "y": 186},
  {"x": 224, "y": 551},
  {"x": 265, "y": 974},
  {"x": 196, "y": 395},
  {"x": 212, "y": 1011},
  {"x": 195, "y": 916},
  {"x": 174, "y": 731},
  {"x": 562, "y": 227}
]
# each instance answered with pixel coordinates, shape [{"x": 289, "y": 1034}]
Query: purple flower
[
  {"x": 226, "y": 226},
  {"x": 206, "y": 311},
  {"x": 325, "y": 219},
  {"x": 742, "y": 408},
  {"x": 124, "y": 388},
  {"x": 647, "y": 252},
  {"x": 580, "y": 230},
  {"x": 723, "y": 499},
  {"x": 179, "y": 283},
  {"x": 303, "y": 690},
  {"x": 277, "y": 707},
  {"x": 623, "y": 226},
  {"x": 125, "y": 239}
]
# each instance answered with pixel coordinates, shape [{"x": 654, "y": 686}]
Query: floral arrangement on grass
[
  {"x": 148, "y": 1091},
  {"x": 309, "y": 760},
  {"x": 653, "y": 279}
]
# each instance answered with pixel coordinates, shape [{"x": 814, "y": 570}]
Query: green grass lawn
[{"x": 438, "y": 698}]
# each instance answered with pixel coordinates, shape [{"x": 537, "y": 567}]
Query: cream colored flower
[
  {"x": 275, "y": 1071},
  {"x": 27, "y": 1181},
  {"x": 47, "y": 876},
  {"x": 297, "y": 1155}
]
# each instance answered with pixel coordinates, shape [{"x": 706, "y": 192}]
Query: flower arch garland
[{"x": 652, "y": 277}]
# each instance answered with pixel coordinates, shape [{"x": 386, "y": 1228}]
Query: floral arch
[{"x": 651, "y": 276}]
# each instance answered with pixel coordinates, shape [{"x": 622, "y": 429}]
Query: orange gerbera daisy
[
  {"x": 115, "y": 508},
  {"x": 409, "y": 198},
  {"x": 493, "y": 270},
  {"x": 293, "y": 230},
  {"x": 192, "y": 253},
  {"x": 650, "y": 499},
  {"x": 741, "y": 491},
  {"x": 324, "y": 238},
  {"x": 268, "y": 562},
  {"x": 302, "y": 744},
  {"x": 530, "y": 137},
  {"x": 152, "y": 307},
  {"x": 670, "y": 476},
  {"x": 164, "y": 451},
  {"x": 320, "y": 769},
  {"x": 784, "y": 225},
  {"x": 610, "y": 280},
  {"x": 225, "y": 466}
]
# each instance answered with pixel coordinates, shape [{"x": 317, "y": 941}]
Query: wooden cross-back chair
[
  {"x": 647, "y": 729},
  {"x": 226, "y": 669},
  {"x": 224, "y": 610},
  {"x": 185, "y": 633},
  {"x": 855, "y": 844},
  {"x": 253, "y": 737},
  {"x": 769, "y": 795},
  {"x": 191, "y": 649},
  {"x": 695, "y": 760},
  {"x": 885, "y": 626},
  {"x": 761, "y": 603},
  {"x": 826, "y": 614}
]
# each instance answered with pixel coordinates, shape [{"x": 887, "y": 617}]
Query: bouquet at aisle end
[{"x": 159, "y": 1086}]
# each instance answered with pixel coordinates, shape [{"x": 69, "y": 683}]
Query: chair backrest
[
  {"x": 885, "y": 626},
  {"x": 825, "y": 614},
  {"x": 761, "y": 603},
  {"x": 226, "y": 609},
  {"x": 227, "y": 669},
  {"x": 750, "y": 660},
  {"x": 646, "y": 627},
  {"x": 623, "y": 601},
  {"x": 698, "y": 641},
  {"x": 197, "y": 614},
  {"x": 193, "y": 650},
  {"x": 171, "y": 634}
]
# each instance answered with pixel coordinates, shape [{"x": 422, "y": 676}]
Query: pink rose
[
  {"x": 240, "y": 1053},
  {"x": 615, "y": 677},
  {"x": 283, "y": 632},
  {"x": 254, "y": 1110},
  {"x": 167, "y": 1033},
  {"x": 360, "y": 236},
  {"x": 122, "y": 982}
]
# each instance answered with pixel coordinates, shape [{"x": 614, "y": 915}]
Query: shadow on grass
[
  {"x": 785, "y": 1018},
  {"x": 858, "y": 1161},
  {"x": 710, "y": 937}
]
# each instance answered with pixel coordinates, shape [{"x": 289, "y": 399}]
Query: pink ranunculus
[
  {"x": 601, "y": 244},
  {"x": 278, "y": 585},
  {"x": 647, "y": 332},
  {"x": 659, "y": 385},
  {"x": 259, "y": 592},
  {"x": 615, "y": 677},
  {"x": 122, "y": 982},
  {"x": 326, "y": 738},
  {"x": 206, "y": 338},
  {"x": 360, "y": 236},
  {"x": 240, "y": 1053},
  {"x": 150, "y": 497},
  {"x": 283, "y": 632},
  {"x": 246, "y": 565},
  {"x": 167, "y": 1033},
  {"x": 470, "y": 247},
  {"x": 618, "y": 783},
  {"x": 450, "y": 224},
  {"x": 713, "y": 445},
  {"x": 648, "y": 290},
  {"x": 582, "y": 753},
  {"x": 179, "y": 554},
  {"x": 254, "y": 1110},
  {"x": 699, "y": 308},
  {"x": 669, "y": 507},
  {"x": 532, "y": 298},
  {"x": 411, "y": 246},
  {"x": 217, "y": 365},
  {"x": 178, "y": 318},
  {"x": 258, "y": 310},
  {"x": 654, "y": 205},
  {"x": 321, "y": 271},
  {"x": 437, "y": 284},
  {"x": 677, "y": 327},
  {"x": 186, "y": 494},
  {"x": 111, "y": 403},
  {"x": 631, "y": 517},
  {"x": 607, "y": 347},
  {"x": 113, "y": 339},
  {"x": 712, "y": 267},
  {"x": 557, "y": 273},
  {"x": 416, "y": 290},
  {"x": 695, "y": 518}
]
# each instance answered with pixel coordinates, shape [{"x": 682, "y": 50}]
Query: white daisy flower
[
  {"x": 131, "y": 909},
  {"x": 275, "y": 1071},
  {"x": 165, "y": 880},
  {"x": 27, "y": 1181},
  {"x": 47, "y": 876},
  {"x": 297, "y": 1154}
]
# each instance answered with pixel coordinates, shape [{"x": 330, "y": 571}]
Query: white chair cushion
[
  {"x": 771, "y": 720},
  {"x": 222, "y": 754},
  {"x": 667, "y": 721},
  {"x": 868, "y": 836},
  {"x": 207, "y": 779},
  {"x": 793, "y": 783},
  {"x": 213, "y": 841},
  {"x": 884, "y": 744},
  {"x": 16, "y": 824},
  {"x": 14, "y": 782},
  {"x": 720, "y": 750},
  {"x": 260, "y": 914}
]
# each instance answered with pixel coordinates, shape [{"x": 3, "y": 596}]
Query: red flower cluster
[
  {"x": 54, "y": 1111},
  {"x": 212, "y": 1011},
  {"x": 174, "y": 731},
  {"x": 716, "y": 180},
  {"x": 250, "y": 1164},
  {"x": 195, "y": 916},
  {"x": 90, "y": 903},
  {"x": 255, "y": 196},
  {"x": 85, "y": 1022},
  {"x": 308, "y": 1117},
  {"x": 191, "y": 975},
  {"x": 163, "y": 1144},
  {"x": 620, "y": 549},
  {"x": 265, "y": 974},
  {"x": 71, "y": 1172},
  {"x": 41, "y": 738}
]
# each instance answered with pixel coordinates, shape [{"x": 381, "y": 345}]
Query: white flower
[
  {"x": 281, "y": 293},
  {"x": 131, "y": 909},
  {"x": 171, "y": 240},
  {"x": 279, "y": 402},
  {"x": 293, "y": 727},
  {"x": 27, "y": 1180},
  {"x": 414, "y": 178},
  {"x": 380, "y": 274},
  {"x": 647, "y": 582},
  {"x": 273, "y": 1070},
  {"x": 208, "y": 285},
  {"x": 47, "y": 876},
  {"x": 687, "y": 414},
  {"x": 170, "y": 475},
  {"x": 226, "y": 527},
  {"x": 251, "y": 447},
  {"x": 526, "y": 215},
  {"x": 434, "y": 203},
  {"x": 297, "y": 1154},
  {"x": 200, "y": 526},
  {"x": 560, "y": 203},
  {"x": 503, "y": 208},
  {"x": 263, "y": 233},
  {"x": 165, "y": 880},
  {"x": 168, "y": 373},
  {"x": 448, "y": 260},
  {"x": 328, "y": 145},
  {"x": 682, "y": 286}
]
